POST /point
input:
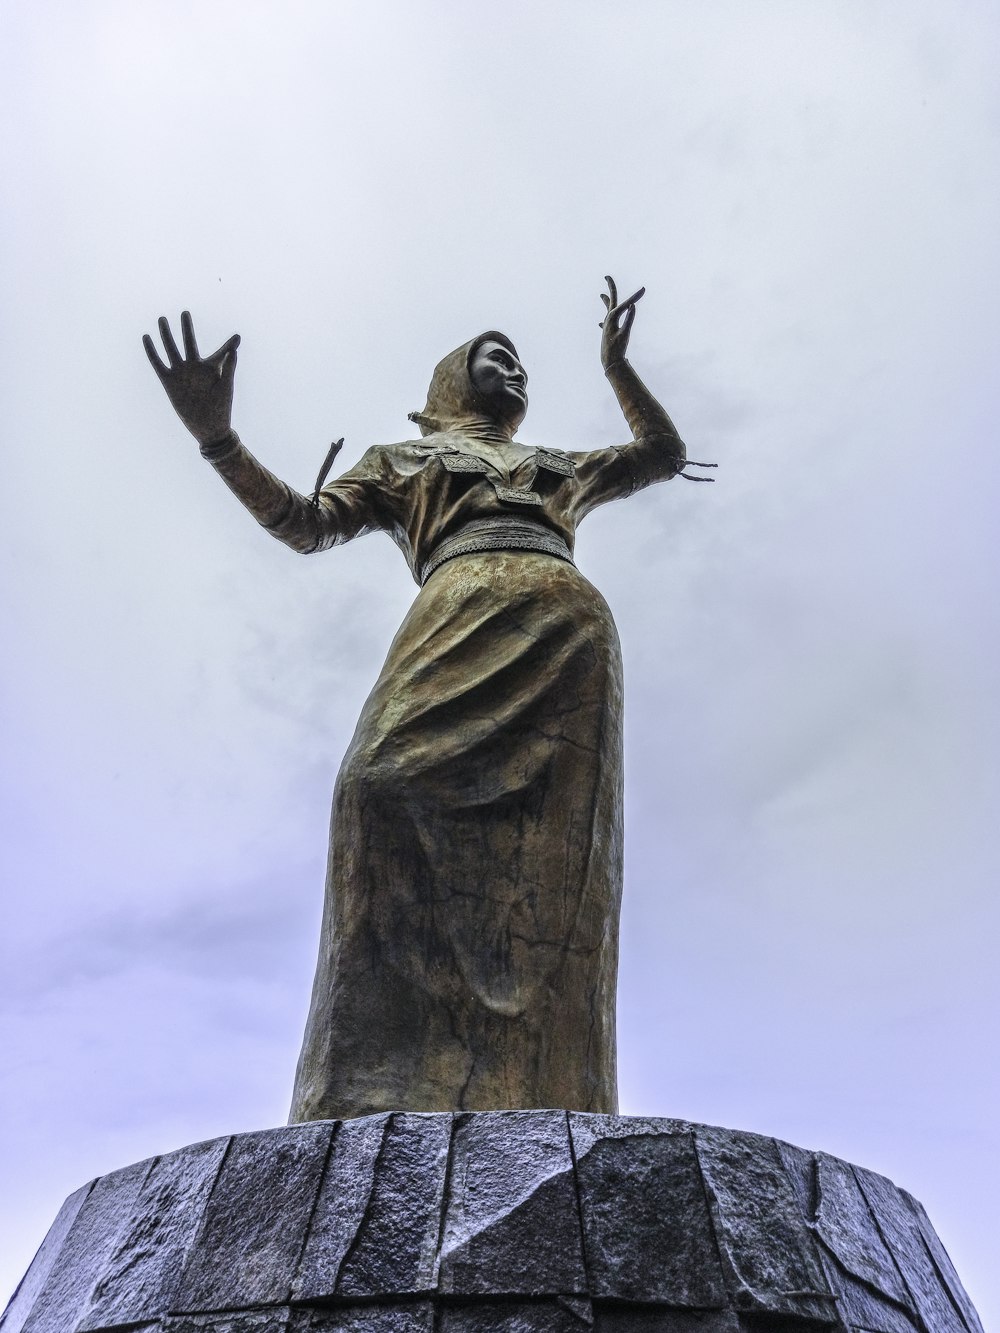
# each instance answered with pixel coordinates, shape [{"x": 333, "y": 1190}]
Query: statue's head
[{"x": 482, "y": 378}]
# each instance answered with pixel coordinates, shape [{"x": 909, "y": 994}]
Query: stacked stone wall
[{"x": 526, "y": 1221}]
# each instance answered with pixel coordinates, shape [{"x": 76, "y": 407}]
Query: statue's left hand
[
  {"x": 617, "y": 324},
  {"x": 200, "y": 389}
]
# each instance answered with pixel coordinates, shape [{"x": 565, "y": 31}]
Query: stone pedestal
[{"x": 527, "y": 1221}]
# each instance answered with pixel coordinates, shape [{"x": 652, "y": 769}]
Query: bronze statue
[{"x": 469, "y": 944}]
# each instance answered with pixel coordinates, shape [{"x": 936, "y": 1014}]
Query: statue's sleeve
[
  {"x": 655, "y": 453},
  {"x": 362, "y": 500},
  {"x": 620, "y": 470}
]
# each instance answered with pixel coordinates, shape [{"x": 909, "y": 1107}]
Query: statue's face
[{"x": 500, "y": 378}]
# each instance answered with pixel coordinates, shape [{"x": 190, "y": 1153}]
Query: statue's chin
[{"x": 510, "y": 409}]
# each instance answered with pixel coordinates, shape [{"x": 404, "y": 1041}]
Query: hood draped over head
[{"x": 454, "y": 402}]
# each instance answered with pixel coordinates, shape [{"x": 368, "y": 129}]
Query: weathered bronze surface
[{"x": 469, "y": 944}]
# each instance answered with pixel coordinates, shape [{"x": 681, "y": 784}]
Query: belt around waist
[{"x": 502, "y": 532}]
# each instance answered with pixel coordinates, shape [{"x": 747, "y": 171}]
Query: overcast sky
[{"x": 810, "y": 193}]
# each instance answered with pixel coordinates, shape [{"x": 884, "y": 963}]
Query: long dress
[{"x": 469, "y": 945}]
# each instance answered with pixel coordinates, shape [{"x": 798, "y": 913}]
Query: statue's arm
[
  {"x": 650, "y": 425},
  {"x": 647, "y": 420},
  {"x": 200, "y": 390},
  {"x": 304, "y": 525}
]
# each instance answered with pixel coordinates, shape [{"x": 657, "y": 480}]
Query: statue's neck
[{"x": 483, "y": 428}]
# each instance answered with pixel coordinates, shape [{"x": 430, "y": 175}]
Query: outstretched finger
[
  {"x": 227, "y": 349},
  {"x": 154, "y": 356},
  {"x": 187, "y": 333},
  {"x": 613, "y": 290},
  {"x": 173, "y": 356},
  {"x": 633, "y": 298},
  {"x": 629, "y": 319}
]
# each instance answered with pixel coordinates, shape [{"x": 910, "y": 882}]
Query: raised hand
[
  {"x": 200, "y": 389},
  {"x": 617, "y": 324}
]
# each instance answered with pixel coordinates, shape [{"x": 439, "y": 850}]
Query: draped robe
[{"x": 469, "y": 946}]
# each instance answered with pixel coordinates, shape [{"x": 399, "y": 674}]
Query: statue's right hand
[
  {"x": 200, "y": 389},
  {"x": 617, "y": 324}
]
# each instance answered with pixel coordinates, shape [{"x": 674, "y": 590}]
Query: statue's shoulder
[
  {"x": 389, "y": 455},
  {"x": 555, "y": 460},
  {"x": 449, "y": 447},
  {"x": 436, "y": 443},
  {"x": 419, "y": 448},
  {"x": 403, "y": 458}
]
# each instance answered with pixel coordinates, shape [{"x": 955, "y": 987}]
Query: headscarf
[{"x": 454, "y": 402}]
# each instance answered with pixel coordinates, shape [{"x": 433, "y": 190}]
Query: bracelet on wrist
[{"x": 216, "y": 448}]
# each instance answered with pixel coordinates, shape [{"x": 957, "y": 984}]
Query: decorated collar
[{"x": 458, "y": 459}]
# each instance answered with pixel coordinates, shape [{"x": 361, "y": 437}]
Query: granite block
[
  {"x": 255, "y": 1224},
  {"x": 861, "y": 1307},
  {"x": 639, "y": 1319},
  {"x": 91, "y": 1241},
  {"x": 646, "y": 1226},
  {"x": 900, "y": 1226},
  {"x": 342, "y": 1205},
  {"x": 769, "y": 1259},
  {"x": 944, "y": 1266},
  {"x": 395, "y": 1248},
  {"x": 512, "y": 1224},
  {"x": 30, "y": 1286},
  {"x": 860, "y": 1271},
  {"x": 142, "y": 1276},
  {"x": 388, "y": 1317},
  {"x": 271, "y": 1319},
  {"x": 513, "y": 1316}
]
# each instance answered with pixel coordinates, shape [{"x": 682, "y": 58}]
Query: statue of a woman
[{"x": 469, "y": 944}]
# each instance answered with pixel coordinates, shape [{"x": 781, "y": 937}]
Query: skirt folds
[{"x": 468, "y": 954}]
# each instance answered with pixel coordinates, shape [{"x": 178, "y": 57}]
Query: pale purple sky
[{"x": 810, "y": 194}]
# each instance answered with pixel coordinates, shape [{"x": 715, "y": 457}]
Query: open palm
[{"x": 200, "y": 389}]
